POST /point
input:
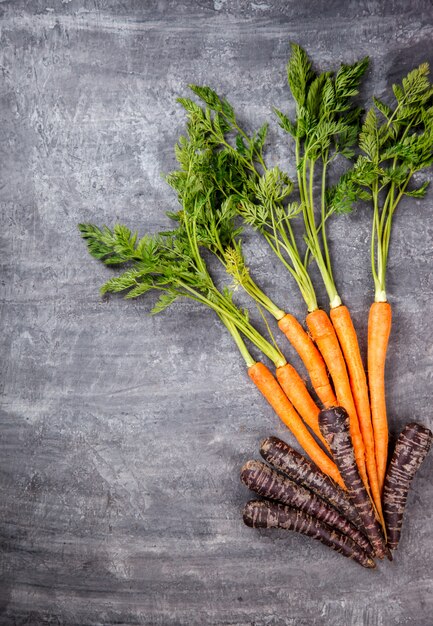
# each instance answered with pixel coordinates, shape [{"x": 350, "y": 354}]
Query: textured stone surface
[{"x": 122, "y": 435}]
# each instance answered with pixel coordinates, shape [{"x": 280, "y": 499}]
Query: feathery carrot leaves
[{"x": 396, "y": 142}]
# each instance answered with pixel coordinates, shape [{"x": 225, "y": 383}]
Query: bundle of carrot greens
[{"x": 345, "y": 494}]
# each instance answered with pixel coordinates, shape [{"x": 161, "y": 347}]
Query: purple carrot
[
  {"x": 263, "y": 514},
  {"x": 411, "y": 448},
  {"x": 300, "y": 469},
  {"x": 334, "y": 424},
  {"x": 270, "y": 484}
]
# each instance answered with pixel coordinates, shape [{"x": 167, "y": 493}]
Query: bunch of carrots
[{"x": 345, "y": 494}]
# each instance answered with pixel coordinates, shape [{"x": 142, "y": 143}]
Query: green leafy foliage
[
  {"x": 164, "y": 301},
  {"x": 161, "y": 262},
  {"x": 396, "y": 141},
  {"x": 232, "y": 179},
  {"x": 238, "y": 180},
  {"x": 341, "y": 197},
  {"x": 285, "y": 123},
  {"x": 383, "y": 108},
  {"x": 299, "y": 73},
  {"x": 326, "y": 125},
  {"x": 216, "y": 123},
  {"x": 347, "y": 82},
  {"x": 325, "y": 115},
  {"x": 273, "y": 187},
  {"x": 214, "y": 102},
  {"x": 110, "y": 246},
  {"x": 369, "y": 137},
  {"x": 419, "y": 192}
]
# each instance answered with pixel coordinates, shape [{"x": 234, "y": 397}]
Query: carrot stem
[{"x": 249, "y": 361}]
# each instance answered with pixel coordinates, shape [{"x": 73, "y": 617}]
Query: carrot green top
[
  {"x": 218, "y": 171},
  {"x": 326, "y": 125},
  {"x": 396, "y": 143},
  {"x": 255, "y": 191}
]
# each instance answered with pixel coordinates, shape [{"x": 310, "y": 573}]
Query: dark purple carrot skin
[
  {"x": 300, "y": 469},
  {"x": 411, "y": 448},
  {"x": 270, "y": 484},
  {"x": 334, "y": 424},
  {"x": 262, "y": 514}
]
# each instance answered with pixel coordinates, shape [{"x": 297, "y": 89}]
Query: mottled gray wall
[{"x": 122, "y": 435}]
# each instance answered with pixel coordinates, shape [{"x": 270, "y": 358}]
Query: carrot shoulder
[
  {"x": 271, "y": 390},
  {"x": 379, "y": 328},
  {"x": 324, "y": 335},
  {"x": 311, "y": 358},
  {"x": 346, "y": 333}
]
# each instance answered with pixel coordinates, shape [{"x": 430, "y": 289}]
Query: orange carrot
[
  {"x": 346, "y": 334},
  {"x": 295, "y": 389},
  {"x": 386, "y": 195},
  {"x": 324, "y": 335},
  {"x": 379, "y": 328},
  {"x": 269, "y": 387},
  {"x": 311, "y": 358}
]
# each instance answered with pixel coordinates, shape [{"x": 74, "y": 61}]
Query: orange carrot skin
[
  {"x": 266, "y": 382},
  {"x": 323, "y": 333},
  {"x": 295, "y": 389},
  {"x": 311, "y": 358},
  {"x": 379, "y": 329},
  {"x": 346, "y": 333}
]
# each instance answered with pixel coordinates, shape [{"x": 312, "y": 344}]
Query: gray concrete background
[{"x": 122, "y": 435}]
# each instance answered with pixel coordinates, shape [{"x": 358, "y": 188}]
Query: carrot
[
  {"x": 404, "y": 122},
  {"x": 271, "y": 390},
  {"x": 334, "y": 424},
  {"x": 343, "y": 325},
  {"x": 379, "y": 328},
  {"x": 323, "y": 334},
  {"x": 261, "y": 514},
  {"x": 410, "y": 451},
  {"x": 311, "y": 358},
  {"x": 270, "y": 484},
  {"x": 295, "y": 389},
  {"x": 300, "y": 469}
]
